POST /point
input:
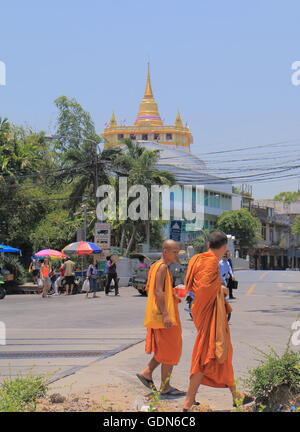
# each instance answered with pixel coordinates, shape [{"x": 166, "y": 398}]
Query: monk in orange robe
[
  {"x": 212, "y": 354},
  {"x": 163, "y": 322}
]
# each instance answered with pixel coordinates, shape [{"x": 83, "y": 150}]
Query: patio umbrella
[
  {"x": 4, "y": 248},
  {"x": 49, "y": 253},
  {"x": 81, "y": 248}
]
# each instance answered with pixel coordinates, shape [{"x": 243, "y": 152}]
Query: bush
[
  {"x": 276, "y": 380},
  {"x": 21, "y": 393},
  {"x": 13, "y": 265}
]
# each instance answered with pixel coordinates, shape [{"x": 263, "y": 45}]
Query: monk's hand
[
  {"x": 225, "y": 290},
  {"x": 167, "y": 321}
]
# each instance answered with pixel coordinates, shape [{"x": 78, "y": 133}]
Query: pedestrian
[
  {"x": 111, "y": 275},
  {"x": 164, "y": 334},
  {"x": 211, "y": 363},
  {"x": 226, "y": 272},
  {"x": 69, "y": 274},
  {"x": 45, "y": 276},
  {"x": 35, "y": 267},
  {"x": 231, "y": 275},
  {"x": 59, "y": 281},
  {"x": 142, "y": 264},
  {"x": 92, "y": 275}
]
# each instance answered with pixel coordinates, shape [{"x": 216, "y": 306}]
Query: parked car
[{"x": 2, "y": 289}]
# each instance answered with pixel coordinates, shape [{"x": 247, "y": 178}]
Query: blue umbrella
[{"x": 4, "y": 248}]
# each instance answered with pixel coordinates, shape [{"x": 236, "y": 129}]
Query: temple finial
[
  {"x": 148, "y": 90},
  {"x": 148, "y": 111},
  {"x": 178, "y": 121},
  {"x": 113, "y": 121}
]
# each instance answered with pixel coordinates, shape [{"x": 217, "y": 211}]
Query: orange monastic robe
[
  {"x": 212, "y": 353},
  {"x": 165, "y": 343}
]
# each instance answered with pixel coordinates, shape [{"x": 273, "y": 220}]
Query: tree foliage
[
  {"x": 240, "y": 223},
  {"x": 288, "y": 197}
]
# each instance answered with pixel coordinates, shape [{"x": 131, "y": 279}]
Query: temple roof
[{"x": 148, "y": 111}]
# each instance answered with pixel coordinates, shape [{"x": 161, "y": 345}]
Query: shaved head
[
  {"x": 169, "y": 244},
  {"x": 170, "y": 250}
]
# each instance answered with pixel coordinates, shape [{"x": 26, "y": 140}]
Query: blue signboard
[{"x": 175, "y": 230}]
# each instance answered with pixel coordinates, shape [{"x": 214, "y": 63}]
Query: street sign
[
  {"x": 175, "y": 230},
  {"x": 102, "y": 235}
]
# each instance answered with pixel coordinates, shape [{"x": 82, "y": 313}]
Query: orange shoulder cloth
[{"x": 153, "y": 316}]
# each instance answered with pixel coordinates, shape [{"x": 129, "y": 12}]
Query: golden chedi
[{"x": 148, "y": 125}]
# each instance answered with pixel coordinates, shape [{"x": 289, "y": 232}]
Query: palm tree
[
  {"x": 82, "y": 161},
  {"x": 140, "y": 164}
]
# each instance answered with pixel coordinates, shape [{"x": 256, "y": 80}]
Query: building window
[
  {"x": 120, "y": 137},
  {"x": 133, "y": 137},
  {"x": 206, "y": 198},
  {"x": 183, "y": 139},
  {"x": 156, "y": 136},
  {"x": 169, "y": 137},
  {"x": 145, "y": 137}
]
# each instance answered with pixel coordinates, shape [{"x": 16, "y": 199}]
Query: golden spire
[
  {"x": 148, "y": 112},
  {"x": 178, "y": 121},
  {"x": 113, "y": 122},
  {"x": 148, "y": 89}
]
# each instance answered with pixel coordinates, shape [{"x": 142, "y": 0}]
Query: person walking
[
  {"x": 226, "y": 272},
  {"x": 92, "y": 275},
  {"x": 162, "y": 319},
  {"x": 231, "y": 274},
  {"x": 59, "y": 280},
  {"x": 35, "y": 267},
  {"x": 211, "y": 363},
  {"x": 45, "y": 272},
  {"x": 111, "y": 275},
  {"x": 69, "y": 272}
]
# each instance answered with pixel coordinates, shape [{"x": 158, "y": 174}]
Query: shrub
[
  {"x": 21, "y": 393},
  {"x": 13, "y": 265},
  {"x": 276, "y": 379}
]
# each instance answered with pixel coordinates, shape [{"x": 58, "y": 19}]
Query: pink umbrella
[{"x": 50, "y": 253}]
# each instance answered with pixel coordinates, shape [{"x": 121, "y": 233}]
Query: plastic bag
[
  {"x": 86, "y": 286},
  {"x": 40, "y": 283}
]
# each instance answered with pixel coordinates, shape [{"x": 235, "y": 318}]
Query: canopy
[
  {"x": 4, "y": 248},
  {"x": 81, "y": 248},
  {"x": 51, "y": 253}
]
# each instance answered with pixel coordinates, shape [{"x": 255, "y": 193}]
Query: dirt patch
[{"x": 109, "y": 398}]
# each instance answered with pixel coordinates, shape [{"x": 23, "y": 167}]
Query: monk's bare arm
[{"x": 160, "y": 294}]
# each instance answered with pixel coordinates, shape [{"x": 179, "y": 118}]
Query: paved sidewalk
[{"x": 263, "y": 313}]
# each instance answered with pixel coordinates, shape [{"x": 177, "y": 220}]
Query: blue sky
[{"x": 225, "y": 64}]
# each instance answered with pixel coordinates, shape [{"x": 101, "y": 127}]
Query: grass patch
[{"x": 21, "y": 393}]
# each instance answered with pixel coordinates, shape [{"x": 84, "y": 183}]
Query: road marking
[
  {"x": 250, "y": 289},
  {"x": 262, "y": 276},
  {"x": 253, "y": 286}
]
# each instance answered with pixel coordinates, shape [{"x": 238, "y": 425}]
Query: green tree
[
  {"x": 55, "y": 230},
  {"x": 140, "y": 164},
  {"x": 74, "y": 124},
  {"x": 288, "y": 197},
  {"x": 296, "y": 226},
  {"x": 199, "y": 243},
  {"x": 240, "y": 223}
]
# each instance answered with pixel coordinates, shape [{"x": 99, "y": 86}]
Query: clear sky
[{"x": 225, "y": 64}]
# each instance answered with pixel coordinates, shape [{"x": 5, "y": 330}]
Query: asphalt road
[{"x": 60, "y": 335}]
